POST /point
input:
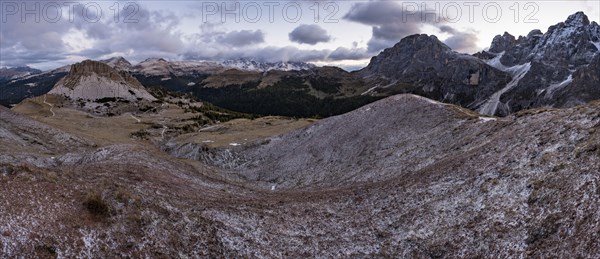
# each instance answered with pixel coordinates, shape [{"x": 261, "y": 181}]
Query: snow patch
[
  {"x": 552, "y": 88},
  {"x": 191, "y": 84},
  {"x": 428, "y": 100},
  {"x": 135, "y": 118},
  {"x": 370, "y": 90},
  {"x": 597, "y": 44},
  {"x": 495, "y": 62},
  {"x": 517, "y": 72},
  {"x": 235, "y": 144},
  {"x": 487, "y": 119}
]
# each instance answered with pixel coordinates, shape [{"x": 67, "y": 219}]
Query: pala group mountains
[{"x": 559, "y": 68}]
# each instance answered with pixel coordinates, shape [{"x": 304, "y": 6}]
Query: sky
[{"x": 50, "y": 34}]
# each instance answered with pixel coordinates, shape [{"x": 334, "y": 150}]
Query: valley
[{"x": 115, "y": 191}]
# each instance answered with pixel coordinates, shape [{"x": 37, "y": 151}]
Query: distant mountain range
[
  {"x": 558, "y": 68},
  {"x": 7, "y": 74},
  {"x": 159, "y": 66}
]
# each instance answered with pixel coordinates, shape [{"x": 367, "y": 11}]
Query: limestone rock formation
[{"x": 92, "y": 80}]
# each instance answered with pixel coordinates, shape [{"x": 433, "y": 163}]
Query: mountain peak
[
  {"x": 577, "y": 19},
  {"x": 118, "y": 63},
  {"x": 534, "y": 33},
  {"x": 417, "y": 42},
  {"x": 161, "y": 60},
  {"x": 502, "y": 42},
  {"x": 421, "y": 39},
  {"x": 117, "y": 58},
  {"x": 90, "y": 66}
]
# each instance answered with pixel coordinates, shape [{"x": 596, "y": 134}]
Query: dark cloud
[
  {"x": 465, "y": 42},
  {"x": 151, "y": 33},
  {"x": 447, "y": 29},
  {"x": 17, "y": 55},
  {"x": 309, "y": 34},
  {"x": 390, "y": 22},
  {"x": 144, "y": 32},
  {"x": 377, "y": 44},
  {"x": 342, "y": 53},
  {"x": 242, "y": 38},
  {"x": 375, "y": 13},
  {"x": 460, "y": 41}
]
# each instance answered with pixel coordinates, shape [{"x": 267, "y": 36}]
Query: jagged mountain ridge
[
  {"x": 571, "y": 43},
  {"x": 545, "y": 64}
]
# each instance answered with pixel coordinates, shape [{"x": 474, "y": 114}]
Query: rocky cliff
[{"x": 96, "y": 80}]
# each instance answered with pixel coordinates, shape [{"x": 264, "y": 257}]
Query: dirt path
[{"x": 51, "y": 106}]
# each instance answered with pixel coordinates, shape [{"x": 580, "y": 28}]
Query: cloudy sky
[{"x": 49, "y": 34}]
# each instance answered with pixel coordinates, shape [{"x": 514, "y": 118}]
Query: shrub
[
  {"x": 96, "y": 205},
  {"x": 140, "y": 134}
]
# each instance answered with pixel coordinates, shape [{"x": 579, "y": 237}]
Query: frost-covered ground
[{"x": 403, "y": 177}]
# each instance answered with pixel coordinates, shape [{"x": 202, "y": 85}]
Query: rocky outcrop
[
  {"x": 502, "y": 43},
  {"x": 585, "y": 86},
  {"x": 423, "y": 65},
  {"x": 96, "y": 80}
]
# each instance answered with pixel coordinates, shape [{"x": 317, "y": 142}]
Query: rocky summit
[
  {"x": 423, "y": 65},
  {"x": 93, "y": 80}
]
